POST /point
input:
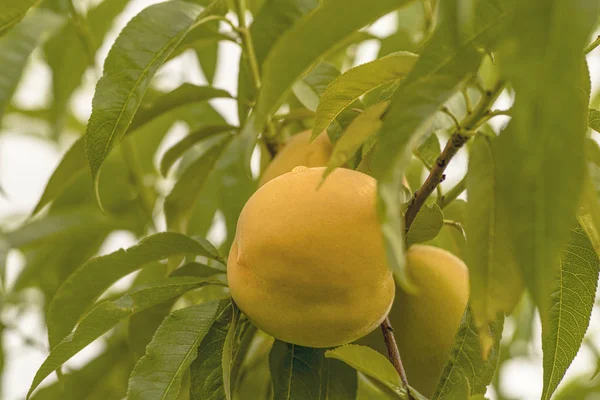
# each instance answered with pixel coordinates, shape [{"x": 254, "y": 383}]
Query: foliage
[{"x": 528, "y": 227}]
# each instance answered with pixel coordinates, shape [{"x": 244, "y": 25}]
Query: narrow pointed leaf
[
  {"x": 371, "y": 363},
  {"x": 158, "y": 374},
  {"x": 175, "y": 152},
  {"x": 206, "y": 371},
  {"x": 311, "y": 86},
  {"x": 295, "y": 371},
  {"x": 107, "y": 314},
  {"x": 443, "y": 67},
  {"x": 141, "y": 48},
  {"x": 572, "y": 302},
  {"x": 496, "y": 284},
  {"x": 360, "y": 129},
  {"x": 88, "y": 282},
  {"x": 342, "y": 17},
  {"x": 228, "y": 353},
  {"x": 11, "y": 12},
  {"x": 547, "y": 40},
  {"x": 465, "y": 360},
  {"x": 179, "y": 203},
  {"x": 358, "y": 81},
  {"x": 17, "y": 46}
]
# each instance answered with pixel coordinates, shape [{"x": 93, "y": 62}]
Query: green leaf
[
  {"x": 572, "y": 301},
  {"x": 594, "y": 119},
  {"x": 360, "y": 129},
  {"x": 358, "y": 81},
  {"x": 173, "y": 348},
  {"x": 179, "y": 203},
  {"x": 69, "y": 54},
  {"x": 442, "y": 68},
  {"x": 272, "y": 20},
  {"x": 496, "y": 284},
  {"x": 338, "y": 381},
  {"x": 180, "y": 96},
  {"x": 103, "y": 377},
  {"x": 175, "y": 152},
  {"x": 12, "y": 12},
  {"x": 107, "y": 314},
  {"x": 17, "y": 46},
  {"x": 206, "y": 372},
  {"x": 342, "y": 17},
  {"x": 74, "y": 161},
  {"x": 311, "y": 86},
  {"x": 371, "y": 363},
  {"x": 88, "y": 282},
  {"x": 428, "y": 151},
  {"x": 295, "y": 371},
  {"x": 207, "y": 55},
  {"x": 546, "y": 45},
  {"x": 465, "y": 360},
  {"x": 427, "y": 224},
  {"x": 228, "y": 354},
  {"x": 141, "y": 48}
]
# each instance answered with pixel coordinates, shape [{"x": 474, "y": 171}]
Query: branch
[
  {"x": 457, "y": 140},
  {"x": 394, "y": 353}
]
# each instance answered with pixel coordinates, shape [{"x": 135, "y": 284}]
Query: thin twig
[
  {"x": 394, "y": 353},
  {"x": 456, "y": 141},
  {"x": 592, "y": 46}
]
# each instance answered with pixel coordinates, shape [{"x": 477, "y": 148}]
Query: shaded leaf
[
  {"x": 342, "y": 17},
  {"x": 358, "y": 81},
  {"x": 88, "y": 282},
  {"x": 371, "y": 363},
  {"x": 179, "y": 203},
  {"x": 141, "y": 48},
  {"x": 105, "y": 377},
  {"x": 295, "y": 371},
  {"x": 428, "y": 151},
  {"x": 12, "y": 12},
  {"x": 572, "y": 301},
  {"x": 443, "y": 67},
  {"x": 107, "y": 314},
  {"x": 177, "y": 150},
  {"x": 427, "y": 224},
  {"x": 465, "y": 360},
  {"x": 496, "y": 284},
  {"x": 206, "y": 372},
  {"x": 338, "y": 381},
  {"x": 17, "y": 46},
  {"x": 311, "y": 86},
  {"x": 360, "y": 129},
  {"x": 173, "y": 348},
  {"x": 546, "y": 44},
  {"x": 594, "y": 119},
  {"x": 272, "y": 20}
]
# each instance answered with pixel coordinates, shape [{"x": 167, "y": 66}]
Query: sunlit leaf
[
  {"x": 18, "y": 44},
  {"x": 358, "y": 81},
  {"x": 572, "y": 301},
  {"x": 496, "y": 284},
  {"x": 465, "y": 360},
  {"x": 175, "y": 152},
  {"x": 295, "y": 371},
  {"x": 88, "y": 282},
  {"x": 546, "y": 45},
  {"x": 173, "y": 348},
  {"x": 107, "y": 314},
  {"x": 141, "y": 48}
]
